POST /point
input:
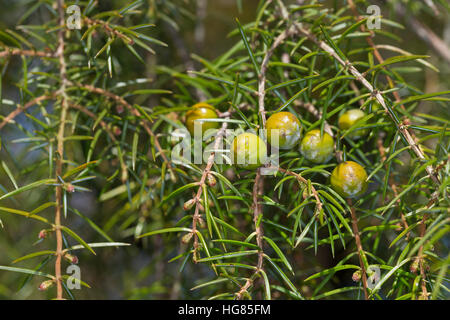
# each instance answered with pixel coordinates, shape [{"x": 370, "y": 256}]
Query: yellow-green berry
[
  {"x": 248, "y": 151},
  {"x": 316, "y": 148},
  {"x": 201, "y": 111},
  {"x": 349, "y": 179}
]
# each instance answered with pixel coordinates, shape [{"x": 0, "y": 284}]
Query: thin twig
[
  {"x": 60, "y": 148},
  {"x": 359, "y": 247},
  {"x": 420, "y": 256},
  {"x": 258, "y": 187},
  {"x": 375, "y": 93},
  {"x": 93, "y": 116},
  {"x": 380, "y": 60},
  {"x": 262, "y": 75},
  {"x": 105, "y": 127},
  {"x": 356, "y": 91},
  {"x": 319, "y": 203},
  {"x": 382, "y": 152},
  {"x": 20, "y": 109},
  {"x": 196, "y": 217},
  {"x": 433, "y": 7},
  {"x": 110, "y": 30},
  {"x": 30, "y": 53}
]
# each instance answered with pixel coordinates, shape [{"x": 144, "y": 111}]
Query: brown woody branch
[
  {"x": 258, "y": 189},
  {"x": 31, "y": 53},
  {"x": 428, "y": 36},
  {"x": 379, "y": 58},
  {"x": 374, "y": 92},
  {"x": 359, "y": 248},
  {"x": 60, "y": 148},
  {"x": 196, "y": 217}
]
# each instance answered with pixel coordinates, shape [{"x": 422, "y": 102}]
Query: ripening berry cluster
[{"x": 284, "y": 131}]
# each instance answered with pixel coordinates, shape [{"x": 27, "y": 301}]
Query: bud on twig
[
  {"x": 423, "y": 296},
  {"x": 116, "y": 130},
  {"x": 69, "y": 187},
  {"x": 305, "y": 194},
  {"x": 187, "y": 237},
  {"x": 70, "y": 258},
  {"x": 356, "y": 276},
  {"x": 189, "y": 204},
  {"x": 211, "y": 180},
  {"x": 45, "y": 285},
  {"x": 43, "y": 234},
  {"x": 414, "y": 266}
]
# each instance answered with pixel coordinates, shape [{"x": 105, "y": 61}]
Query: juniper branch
[
  {"x": 374, "y": 92},
  {"x": 60, "y": 146},
  {"x": 30, "y": 53},
  {"x": 359, "y": 247}
]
